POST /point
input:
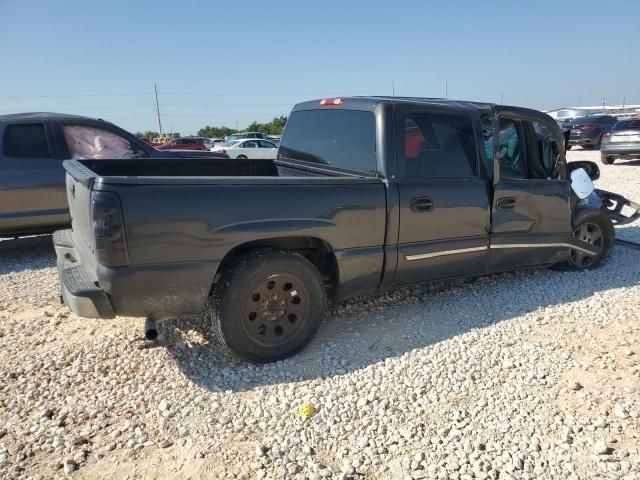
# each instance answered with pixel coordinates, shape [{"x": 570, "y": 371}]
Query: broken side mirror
[{"x": 591, "y": 168}]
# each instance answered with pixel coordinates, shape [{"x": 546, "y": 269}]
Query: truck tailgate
[{"x": 79, "y": 182}]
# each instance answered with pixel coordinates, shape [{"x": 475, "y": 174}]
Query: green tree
[
  {"x": 215, "y": 132},
  {"x": 274, "y": 127},
  {"x": 148, "y": 133}
]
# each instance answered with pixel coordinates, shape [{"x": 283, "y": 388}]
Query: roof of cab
[
  {"x": 369, "y": 103},
  {"x": 43, "y": 116}
]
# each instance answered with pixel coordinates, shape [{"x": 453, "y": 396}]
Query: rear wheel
[
  {"x": 241, "y": 156},
  {"x": 268, "y": 306},
  {"x": 594, "y": 227},
  {"x": 605, "y": 159}
]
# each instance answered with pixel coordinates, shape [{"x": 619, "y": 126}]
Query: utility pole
[
  {"x": 604, "y": 102},
  {"x": 155, "y": 86},
  {"x": 501, "y": 97},
  {"x": 623, "y": 102},
  {"x": 446, "y": 90},
  {"x": 393, "y": 89}
]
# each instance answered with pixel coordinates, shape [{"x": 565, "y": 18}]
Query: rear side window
[
  {"x": 439, "y": 145},
  {"x": 340, "y": 138},
  {"x": 627, "y": 125},
  {"x": 29, "y": 140}
]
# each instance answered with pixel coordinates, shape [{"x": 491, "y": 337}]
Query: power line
[{"x": 204, "y": 94}]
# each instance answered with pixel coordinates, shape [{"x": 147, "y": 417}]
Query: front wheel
[
  {"x": 594, "y": 227},
  {"x": 268, "y": 305},
  {"x": 242, "y": 156}
]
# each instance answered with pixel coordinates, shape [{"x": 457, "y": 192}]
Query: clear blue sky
[{"x": 225, "y": 62}]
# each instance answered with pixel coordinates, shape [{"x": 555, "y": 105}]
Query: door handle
[
  {"x": 421, "y": 204},
  {"x": 506, "y": 203}
]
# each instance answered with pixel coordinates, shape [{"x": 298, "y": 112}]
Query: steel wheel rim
[
  {"x": 592, "y": 234},
  {"x": 275, "y": 309}
]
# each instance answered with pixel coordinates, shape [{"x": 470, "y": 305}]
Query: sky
[{"x": 225, "y": 63}]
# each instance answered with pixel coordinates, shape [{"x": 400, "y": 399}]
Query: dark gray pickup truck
[
  {"x": 366, "y": 194},
  {"x": 32, "y": 149}
]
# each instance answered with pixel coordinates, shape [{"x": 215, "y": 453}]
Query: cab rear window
[{"x": 339, "y": 138}]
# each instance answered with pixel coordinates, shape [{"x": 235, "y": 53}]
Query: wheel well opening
[{"x": 315, "y": 250}]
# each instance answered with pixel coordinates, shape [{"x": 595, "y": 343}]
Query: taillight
[
  {"x": 588, "y": 127},
  {"x": 332, "y": 101},
  {"x": 607, "y": 134},
  {"x": 108, "y": 229}
]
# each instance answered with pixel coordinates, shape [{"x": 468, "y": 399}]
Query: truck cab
[{"x": 472, "y": 187}]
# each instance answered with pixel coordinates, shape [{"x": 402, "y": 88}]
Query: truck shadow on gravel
[
  {"x": 26, "y": 253},
  {"x": 369, "y": 330}
]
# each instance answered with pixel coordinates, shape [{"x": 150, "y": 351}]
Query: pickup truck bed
[{"x": 213, "y": 207}]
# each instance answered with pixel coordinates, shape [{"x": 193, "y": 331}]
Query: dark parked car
[
  {"x": 184, "y": 143},
  {"x": 623, "y": 142},
  {"x": 32, "y": 148},
  {"x": 587, "y": 132},
  {"x": 367, "y": 193}
]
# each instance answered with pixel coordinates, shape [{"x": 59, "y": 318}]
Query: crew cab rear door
[
  {"x": 530, "y": 212},
  {"x": 443, "y": 192}
]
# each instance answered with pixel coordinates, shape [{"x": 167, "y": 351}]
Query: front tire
[
  {"x": 594, "y": 227},
  {"x": 268, "y": 306},
  {"x": 242, "y": 156}
]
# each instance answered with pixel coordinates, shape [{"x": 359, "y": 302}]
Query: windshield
[
  {"x": 232, "y": 143},
  {"x": 234, "y": 138}
]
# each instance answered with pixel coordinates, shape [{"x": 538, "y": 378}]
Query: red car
[{"x": 185, "y": 143}]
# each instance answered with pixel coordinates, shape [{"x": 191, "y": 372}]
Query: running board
[{"x": 579, "y": 245}]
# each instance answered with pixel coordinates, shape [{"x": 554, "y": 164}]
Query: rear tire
[
  {"x": 606, "y": 160},
  {"x": 268, "y": 306},
  {"x": 593, "y": 226},
  {"x": 242, "y": 156}
]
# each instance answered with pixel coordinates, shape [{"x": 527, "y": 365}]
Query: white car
[{"x": 249, "y": 148}]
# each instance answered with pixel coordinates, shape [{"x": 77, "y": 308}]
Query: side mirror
[
  {"x": 591, "y": 168},
  {"x": 581, "y": 184}
]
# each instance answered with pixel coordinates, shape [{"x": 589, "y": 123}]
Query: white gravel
[{"x": 527, "y": 375}]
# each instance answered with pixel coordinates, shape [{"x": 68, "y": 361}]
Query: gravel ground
[{"x": 532, "y": 374}]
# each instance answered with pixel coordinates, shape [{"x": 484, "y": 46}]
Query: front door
[
  {"x": 531, "y": 212},
  {"x": 444, "y": 202}
]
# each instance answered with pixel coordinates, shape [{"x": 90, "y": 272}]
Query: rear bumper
[
  {"x": 583, "y": 140},
  {"x": 621, "y": 150},
  {"x": 156, "y": 291},
  {"x": 78, "y": 291}
]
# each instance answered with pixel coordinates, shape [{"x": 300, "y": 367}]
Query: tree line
[{"x": 274, "y": 127}]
